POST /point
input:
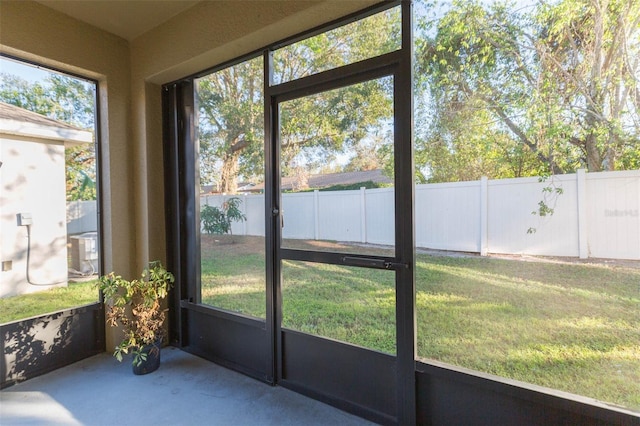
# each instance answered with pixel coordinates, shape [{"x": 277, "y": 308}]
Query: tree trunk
[
  {"x": 594, "y": 159},
  {"x": 228, "y": 178}
]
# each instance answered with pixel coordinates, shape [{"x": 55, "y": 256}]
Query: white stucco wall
[{"x": 32, "y": 180}]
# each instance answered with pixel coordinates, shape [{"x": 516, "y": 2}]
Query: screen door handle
[{"x": 366, "y": 262}]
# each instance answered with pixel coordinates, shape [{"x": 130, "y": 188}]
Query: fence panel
[
  {"x": 253, "y": 208},
  {"x": 513, "y": 229},
  {"x": 613, "y": 214},
  {"x": 596, "y": 215},
  {"x": 298, "y": 214},
  {"x": 82, "y": 216},
  {"x": 448, "y": 216},
  {"x": 339, "y": 216},
  {"x": 379, "y": 213}
]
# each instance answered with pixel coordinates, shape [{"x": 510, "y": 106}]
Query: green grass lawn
[
  {"x": 47, "y": 301},
  {"x": 572, "y": 327},
  {"x": 566, "y": 326}
]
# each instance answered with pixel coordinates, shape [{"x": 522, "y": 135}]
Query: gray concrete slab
[{"x": 185, "y": 390}]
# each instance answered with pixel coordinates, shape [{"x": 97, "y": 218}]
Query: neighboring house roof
[
  {"x": 318, "y": 181},
  {"x": 20, "y": 122},
  {"x": 347, "y": 178}
]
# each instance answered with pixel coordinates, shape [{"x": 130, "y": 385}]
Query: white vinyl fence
[
  {"x": 82, "y": 216},
  {"x": 596, "y": 215}
]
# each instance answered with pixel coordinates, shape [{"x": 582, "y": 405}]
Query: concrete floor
[{"x": 186, "y": 390}]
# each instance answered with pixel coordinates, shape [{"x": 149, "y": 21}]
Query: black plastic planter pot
[{"x": 152, "y": 362}]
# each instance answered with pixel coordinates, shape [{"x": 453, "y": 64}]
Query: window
[
  {"x": 527, "y": 250},
  {"x": 231, "y": 159},
  {"x": 49, "y": 251},
  {"x": 501, "y": 138},
  {"x": 373, "y": 36}
]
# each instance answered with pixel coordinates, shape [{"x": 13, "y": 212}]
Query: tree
[
  {"x": 231, "y": 124},
  {"x": 68, "y": 100},
  {"x": 315, "y": 129},
  {"x": 547, "y": 88},
  {"x": 368, "y": 155},
  {"x": 591, "y": 51}
]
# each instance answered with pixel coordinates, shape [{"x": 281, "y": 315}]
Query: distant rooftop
[{"x": 317, "y": 181}]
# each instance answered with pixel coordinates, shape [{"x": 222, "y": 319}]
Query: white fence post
[
  {"x": 316, "y": 214},
  {"x": 363, "y": 214},
  {"x": 484, "y": 215},
  {"x": 583, "y": 230},
  {"x": 244, "y": 212}
]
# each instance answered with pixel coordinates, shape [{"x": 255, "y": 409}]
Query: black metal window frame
[
  {"x": 183, "y": 213},
  {"x": 97, "y": 142}
]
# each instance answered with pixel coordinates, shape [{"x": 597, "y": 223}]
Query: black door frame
[{"x": 396, "y": 64}]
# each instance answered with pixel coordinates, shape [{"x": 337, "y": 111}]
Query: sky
[
  {"x": 27, "y": 72},
  {"x": 36, "y": 74}
]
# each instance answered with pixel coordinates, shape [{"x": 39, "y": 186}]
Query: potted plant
[{"x": 136, "y": 307}]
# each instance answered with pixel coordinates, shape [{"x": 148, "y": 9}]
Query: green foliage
[
  {"x": 355, "y": 186},
  {"x": 314, "y": 130},
  {"x": 506, "y": 90},
  {"x": 550, "y": 194},
  {"x": 353, "y": 42},
  {"x": 80, "y": 171},
  {"x": 136, "y": 307},
  {"x": 369, "y": 184},
  {"x": 502, "y": 90},
  {"x": 230, "y": 126},
  {"x": 214, "y": 220},
  {"x": 218, "y": 220}
]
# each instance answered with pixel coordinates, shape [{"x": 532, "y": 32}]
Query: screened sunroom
[{"x": 401, "y": 212}]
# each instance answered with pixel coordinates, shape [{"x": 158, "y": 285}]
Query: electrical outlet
[
  {"x": 7, "y": 265},
  {"x": 24, "y": 219}
]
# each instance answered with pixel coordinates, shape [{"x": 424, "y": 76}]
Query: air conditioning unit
[{"x": 84, "y": 253}]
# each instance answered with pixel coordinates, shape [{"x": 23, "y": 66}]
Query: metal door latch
[{"x": 396, "y": 265}]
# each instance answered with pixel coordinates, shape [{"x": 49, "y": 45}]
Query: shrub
[{"x": 218, "y": 220}]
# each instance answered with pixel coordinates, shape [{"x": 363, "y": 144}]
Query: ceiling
[{"x": 127, "y": 19}]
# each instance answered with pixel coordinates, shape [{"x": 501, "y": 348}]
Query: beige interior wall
[{"x": 34, "y": 32}]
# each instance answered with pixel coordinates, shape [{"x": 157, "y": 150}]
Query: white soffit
[
  {"x": 18, "y": 122},
  {"x": 38, "y": 131}
]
